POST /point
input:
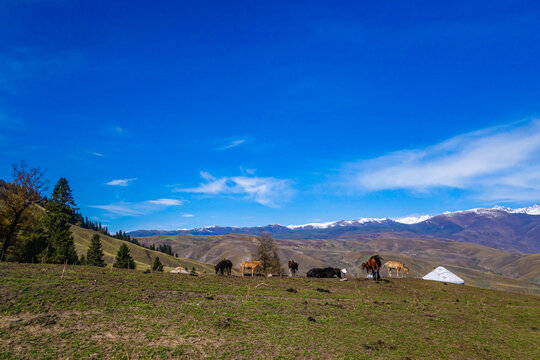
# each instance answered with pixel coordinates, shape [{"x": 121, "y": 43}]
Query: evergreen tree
[
  {"x": 60, "y": 210},
  {"x": 123, "y": 258},
  {"x": 94, "y": 254},
  {"x": 157, "y": 265}
]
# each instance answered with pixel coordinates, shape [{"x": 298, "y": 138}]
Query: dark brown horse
[
  {"x": 373, "y": 265},
  {"x": 293, "y": 267},
  {"x": 224, "y": 265}
]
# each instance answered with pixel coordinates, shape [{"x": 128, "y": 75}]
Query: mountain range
[{"x": 511, "y": 230}]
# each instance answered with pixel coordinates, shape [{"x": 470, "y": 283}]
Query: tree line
[{"x": 37, "y": 229}]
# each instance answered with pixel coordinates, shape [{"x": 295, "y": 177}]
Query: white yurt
[{"x": 444, "y": 275}]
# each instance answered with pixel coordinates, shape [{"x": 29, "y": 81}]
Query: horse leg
[{"x": 389, "y": 271}]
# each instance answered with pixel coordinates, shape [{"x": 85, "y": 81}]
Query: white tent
[{"x": 441, "y": 274}]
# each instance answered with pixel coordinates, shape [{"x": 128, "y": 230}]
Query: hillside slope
[
  {"x": 484, "y": 266},
  {"x": 143, "y": 257},
  {"x": 97, "y": 313}
]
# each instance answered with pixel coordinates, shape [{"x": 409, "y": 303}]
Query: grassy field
[{"x": 121, "y": 314}]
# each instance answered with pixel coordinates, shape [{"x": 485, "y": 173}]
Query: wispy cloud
[
  {"x": 96, "y": 154},
  {"x": 137, "y": 208},
  {"x": 187, "y": 215},
  {"x": 168, "y": 202},
  {"x": 120, "y": 182},
  {"x": 119, "y": 130},
  {"x": 267, "y": 191},
  {"x": 500, "y": 163},
  {"x": 232, "y": 144},
  {"x": 247, "y": 171}
]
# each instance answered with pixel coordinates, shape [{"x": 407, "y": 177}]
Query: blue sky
[{"x": 188, "y": 114}]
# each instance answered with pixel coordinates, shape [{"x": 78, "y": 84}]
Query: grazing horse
[
  {"x": 224, "y": 265},
  {"x": 391, "y": 265},
  {"x": 251, "y": 265},
  {"x": 324, "y": 273},
  {"x": 373, "y": 265},
  {"x": 293, "y": 267}
]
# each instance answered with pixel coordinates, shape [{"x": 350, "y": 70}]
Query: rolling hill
[
  {"x": 479, "y": 265},
  {"x": 143, "y": 257}
]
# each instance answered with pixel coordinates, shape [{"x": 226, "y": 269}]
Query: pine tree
[
  {"x": 157, "y": 265},
  {"x": 123, "y": 259},
  {"x": 94, "y": 255},
  {"x": 60, "y": 210}
]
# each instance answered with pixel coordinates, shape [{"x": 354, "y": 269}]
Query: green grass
[{"x": 99, "y": 313}]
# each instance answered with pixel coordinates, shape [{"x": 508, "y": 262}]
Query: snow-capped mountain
[{"x": 516, "y": 230}]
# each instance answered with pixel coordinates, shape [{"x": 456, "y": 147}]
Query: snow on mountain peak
[
  {"x": 497, "y": 210},
  {"x": 331, "y": 224},
  {"x": 413, "y": 219}
]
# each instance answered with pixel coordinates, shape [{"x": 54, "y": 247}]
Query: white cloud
[
  {"x": 137, "y": 208},
  {"x": 232, "y": 144},
  {"x": 187, "y": 215},
  {"x": 168, "y": 202},
  {"x": 121, "y": 182},
  {"x": 500, "y": 163},
  {"x": 121, "y": 209},
  {"x": 264, "y": 190},
  {"x": 96, "y": 154}
]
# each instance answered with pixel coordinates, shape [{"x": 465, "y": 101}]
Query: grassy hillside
[
  {"x": 121, "y": 314},
  {"x": 479, "y": 265},
  {"x": 143, "y": 257}
]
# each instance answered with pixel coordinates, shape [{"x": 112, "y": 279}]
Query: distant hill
[
  {"x": 479, "y": 265},
  {"x": 512, "y": 230},
  {"x": 143, "y": 257}
]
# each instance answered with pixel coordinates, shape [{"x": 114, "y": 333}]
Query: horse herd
[{"x": 372, "y": 266}]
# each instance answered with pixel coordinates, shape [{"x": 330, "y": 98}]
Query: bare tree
[
  {"x": 267, "y": 253},
  {"x": 16, "y": 197}
]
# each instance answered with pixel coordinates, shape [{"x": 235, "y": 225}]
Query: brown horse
[
  {"x": 373, "y": 265},
  {"x": 252, "y": 265}
]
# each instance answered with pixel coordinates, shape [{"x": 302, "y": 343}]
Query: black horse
[
  {"x": 224, "y": 265},
  {"x": 293, "y": 267},
  {"x": 327, "y": 272}
]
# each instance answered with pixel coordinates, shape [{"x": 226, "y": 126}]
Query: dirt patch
[{"x": 378, "y": 345}]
